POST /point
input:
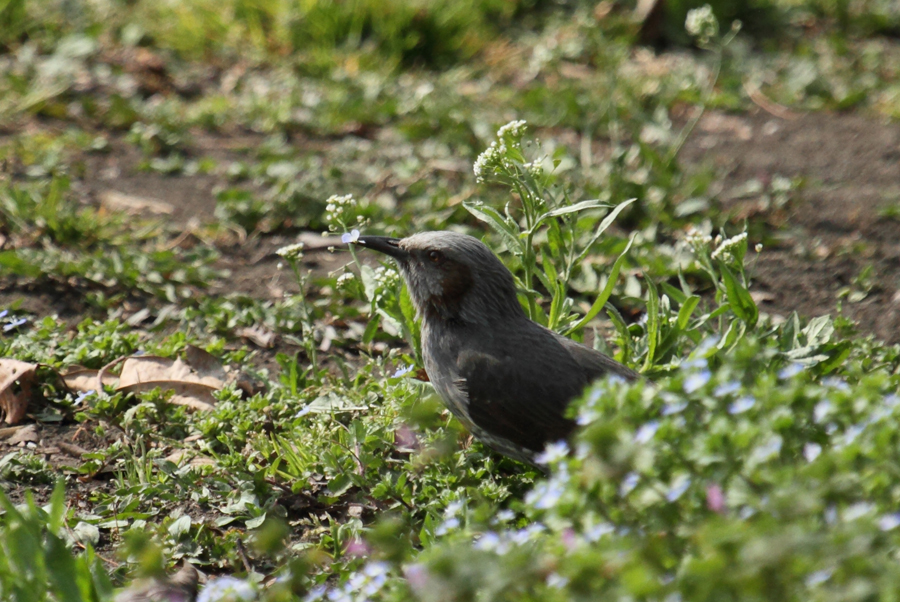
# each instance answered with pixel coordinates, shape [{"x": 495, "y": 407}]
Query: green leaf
[
  {"x": 604, "y": 295},
  {"x": 687, "y": 309},
  {"x": 652, "y": 324},
  {"x": 738, "y": 297},
  {"x": 606, "y": 223},
  {"x": 508, "y": 231},
  {"x": 581, "y": 206}
]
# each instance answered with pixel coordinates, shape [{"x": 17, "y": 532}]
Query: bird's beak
[{"x": 384, "y": 244}]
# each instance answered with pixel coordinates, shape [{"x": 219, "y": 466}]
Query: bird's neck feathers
[{"x": 483, "y": 303}]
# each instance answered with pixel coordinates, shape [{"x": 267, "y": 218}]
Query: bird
[
  {"x": 505, "y": 377},
  {"x": 180, "y": 587}
]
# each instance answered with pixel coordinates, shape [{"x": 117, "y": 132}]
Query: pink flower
[
  {"x": 715, "y": 498},
  {"x": 357, "y": 548}
]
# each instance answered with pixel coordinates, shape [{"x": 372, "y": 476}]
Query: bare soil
[
  {"x": 818, "y": 245},
  {"x": 850, "y": 167}
]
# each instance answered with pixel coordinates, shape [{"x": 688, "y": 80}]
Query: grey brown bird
[
  {"x": 180, "y": 587},
  {"x": 505, "y": 377}
]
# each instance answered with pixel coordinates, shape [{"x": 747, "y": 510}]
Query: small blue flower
[
  {"x": 728, "y": 388},
  {"x": 889, "y": 522},
  {"x": 630, "y": 481},
  {"x": 447, "y": 526},
  {"x": 227, "y": 588},
  {"x": 557, "y": 581},
  {"x": 836, "y": 383},
  {"x": 597, "y": 531},
  {"x": 696, "y": 380},
  {"x": 741, "y": 405},
  {"x": 818, "y": 577},
  {"x": 303, "y": 411},
  {"x": 706, "y": 345},
  {"x": 546, "y": 495},
  {"x": 553, "y": 453},
  {"x": 402, "y": 370},
  {"x": 82, "y": 396},
  {"x": 348, "y": 237},
  {"x": 14, "y": 324},
  {"x": 691, "y": 364},
  {"x": 646, "y": 432},
  {"x": 822, "y": 411},
  {"x": 4, "y": 313},
  {"x": 681, "y": 485},
  {"x": 674, "y": 408},
  {"x": 790, "y": 371},
  {"x": 811, "y": 451}
]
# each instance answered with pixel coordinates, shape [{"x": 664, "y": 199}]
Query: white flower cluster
[
  {"x": 339, "y": 211},
  {"x": 702, "y": 24},
  {"x": 725, "y": 249},
  {"x": 362, "y": 585},
  {"x": 345, "y": 280},
  {"x": 697, "y": 239},
  {"x": 494, "y": 158},
  {"x": 386, "y": 278},
  {"x": 512, "y": 131},
  {"x": 291, "y": 252}
]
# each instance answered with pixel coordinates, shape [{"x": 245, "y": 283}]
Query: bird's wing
[
  {"x": 595, "y": 364},
  {"x": 509, "y": 400}
]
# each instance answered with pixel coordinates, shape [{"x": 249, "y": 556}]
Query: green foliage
[{"x": 37, "y": 564}]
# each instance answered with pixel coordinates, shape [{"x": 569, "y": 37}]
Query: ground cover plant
[{"x": 190, "y": 375}]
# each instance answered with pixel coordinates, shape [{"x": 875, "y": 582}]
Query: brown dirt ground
[{"x": 850, "y": 166}]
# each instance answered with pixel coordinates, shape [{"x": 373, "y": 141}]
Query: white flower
[
  {"x": 291, "y": 252},
  {"x": 513, "y": 130},
  {"x": 725, "y": 250},
  {"x": 339, "y": 210},
  {"x": 701, "y": 23},
  {"x": 386, "y": 278},
  {"x": 344, "y": 280},
  {"x": 697, "y": 239}
]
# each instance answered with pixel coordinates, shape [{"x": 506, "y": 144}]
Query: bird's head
[{"x": 451, "y": 276}]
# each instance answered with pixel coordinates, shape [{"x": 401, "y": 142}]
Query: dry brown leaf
[
  {"x": 180, "y": 455},
  {"x": 116, "y": 201},
  {"x": 204, "y": 362},
  {"x": 85, "y": 379},
  {"x": 192, "y": 387},
  {"x": 26, "y": 434},
  {"x": 13, "y": 404}
]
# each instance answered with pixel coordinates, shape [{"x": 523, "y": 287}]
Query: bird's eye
[{"x": 435, "y": 256}]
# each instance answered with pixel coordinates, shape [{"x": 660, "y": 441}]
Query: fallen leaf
[
  {"x": 192, "y": 388},
  {"x": 13, "y": 404},
  {"x": 26, "y": 434},
  {"x": 85, "y": 379},
  {"x": 117, "y": 201},
  {"x": 179, "y": 456}
]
